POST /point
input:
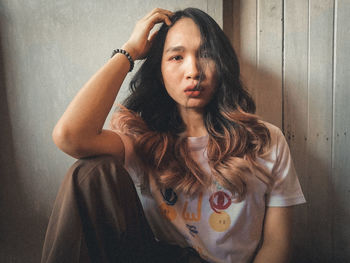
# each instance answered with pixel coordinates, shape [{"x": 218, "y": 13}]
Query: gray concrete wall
[{"x": 48, "y": 50}]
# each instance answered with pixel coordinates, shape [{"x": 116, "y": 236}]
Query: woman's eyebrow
[{"x": 175, "y": 48}]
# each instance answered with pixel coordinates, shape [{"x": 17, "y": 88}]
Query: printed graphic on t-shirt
[
  {"x": 191, "y": 216},
  {"x": 220, "y": 201},
  {"x": 168, "y": 211},
  {"x": 192, "y": 230},
  {"x": 220, "y": 221},
  {"x": 169, "y": 196}
]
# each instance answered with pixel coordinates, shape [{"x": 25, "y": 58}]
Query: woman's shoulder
[
  {"x": 275, "y": 132},
  {"x": 277, "y": 139},
  {"x": 271, "y": 127}
]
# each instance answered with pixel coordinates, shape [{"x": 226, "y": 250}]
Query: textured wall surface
[
  {"x": 48, "y": 50},
  {"x": 295, "y": 60}
]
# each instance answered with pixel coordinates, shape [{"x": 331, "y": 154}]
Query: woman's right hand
[{"x": 139, "y": 41}]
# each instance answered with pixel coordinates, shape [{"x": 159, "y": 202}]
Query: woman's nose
[{"x": 192, "y": 69}]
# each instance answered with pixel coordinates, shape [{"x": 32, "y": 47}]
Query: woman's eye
[{"x": 176, "y": 58}]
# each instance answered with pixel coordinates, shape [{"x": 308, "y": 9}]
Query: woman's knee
[
  {"x": 98, "y": 170},
  {"x": 102, "y": 184}
]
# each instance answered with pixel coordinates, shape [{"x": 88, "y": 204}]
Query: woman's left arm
[{"x": 277, "y": 237}]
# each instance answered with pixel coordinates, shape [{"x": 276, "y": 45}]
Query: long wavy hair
[{"x": 151, "y": 117}]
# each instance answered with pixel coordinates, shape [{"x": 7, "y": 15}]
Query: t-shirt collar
[{"x": 197, "y": 143}]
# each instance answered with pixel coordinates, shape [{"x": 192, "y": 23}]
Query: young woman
[{"x": 216, "y": 184}]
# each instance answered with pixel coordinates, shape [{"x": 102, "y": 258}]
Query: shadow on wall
[{"x": 20, "y": 225}]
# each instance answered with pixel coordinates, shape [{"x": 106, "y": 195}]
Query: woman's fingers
[
  {"x": 140, "y": 41},
  {"x": 158, "y": 10},
  {"x": 158, "y": 18}
]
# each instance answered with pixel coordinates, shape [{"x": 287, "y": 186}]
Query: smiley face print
[{"x": 219, "y": 222}]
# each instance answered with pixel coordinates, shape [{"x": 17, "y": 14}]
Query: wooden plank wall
[
  {"x": 295, "y": 60},
  {"x": 341, "y": 132}
]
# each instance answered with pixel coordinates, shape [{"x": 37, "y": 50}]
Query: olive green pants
[{"x": 97, "y": 217}]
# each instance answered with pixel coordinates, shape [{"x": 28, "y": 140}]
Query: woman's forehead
[{"x": 183, "y": 34}]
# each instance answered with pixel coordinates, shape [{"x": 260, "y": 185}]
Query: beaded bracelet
[{"x": 126, "y": 54}]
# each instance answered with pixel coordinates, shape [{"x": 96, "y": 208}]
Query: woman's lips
[{"x": 193, "y": 91}]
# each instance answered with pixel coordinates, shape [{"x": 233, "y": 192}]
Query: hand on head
[{"x": 140, "y": 41}]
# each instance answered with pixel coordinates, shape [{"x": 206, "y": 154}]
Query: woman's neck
[{"x": 193, "y": 119}]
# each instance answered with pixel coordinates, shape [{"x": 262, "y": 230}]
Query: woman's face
[{"x": 183, "y": 67}]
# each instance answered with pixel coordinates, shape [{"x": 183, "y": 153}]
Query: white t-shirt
[{"x": 220, "y": 229}]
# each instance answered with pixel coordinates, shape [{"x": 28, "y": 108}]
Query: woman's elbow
[{"x": 67, "y": 141}]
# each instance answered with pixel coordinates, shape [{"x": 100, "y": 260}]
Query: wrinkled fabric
[{"x": 98, "y": 217}]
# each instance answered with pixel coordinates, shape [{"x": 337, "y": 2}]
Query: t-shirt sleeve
[
  {"x": 131, "y": 163},
  {"x": 286, "y": 189}
]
